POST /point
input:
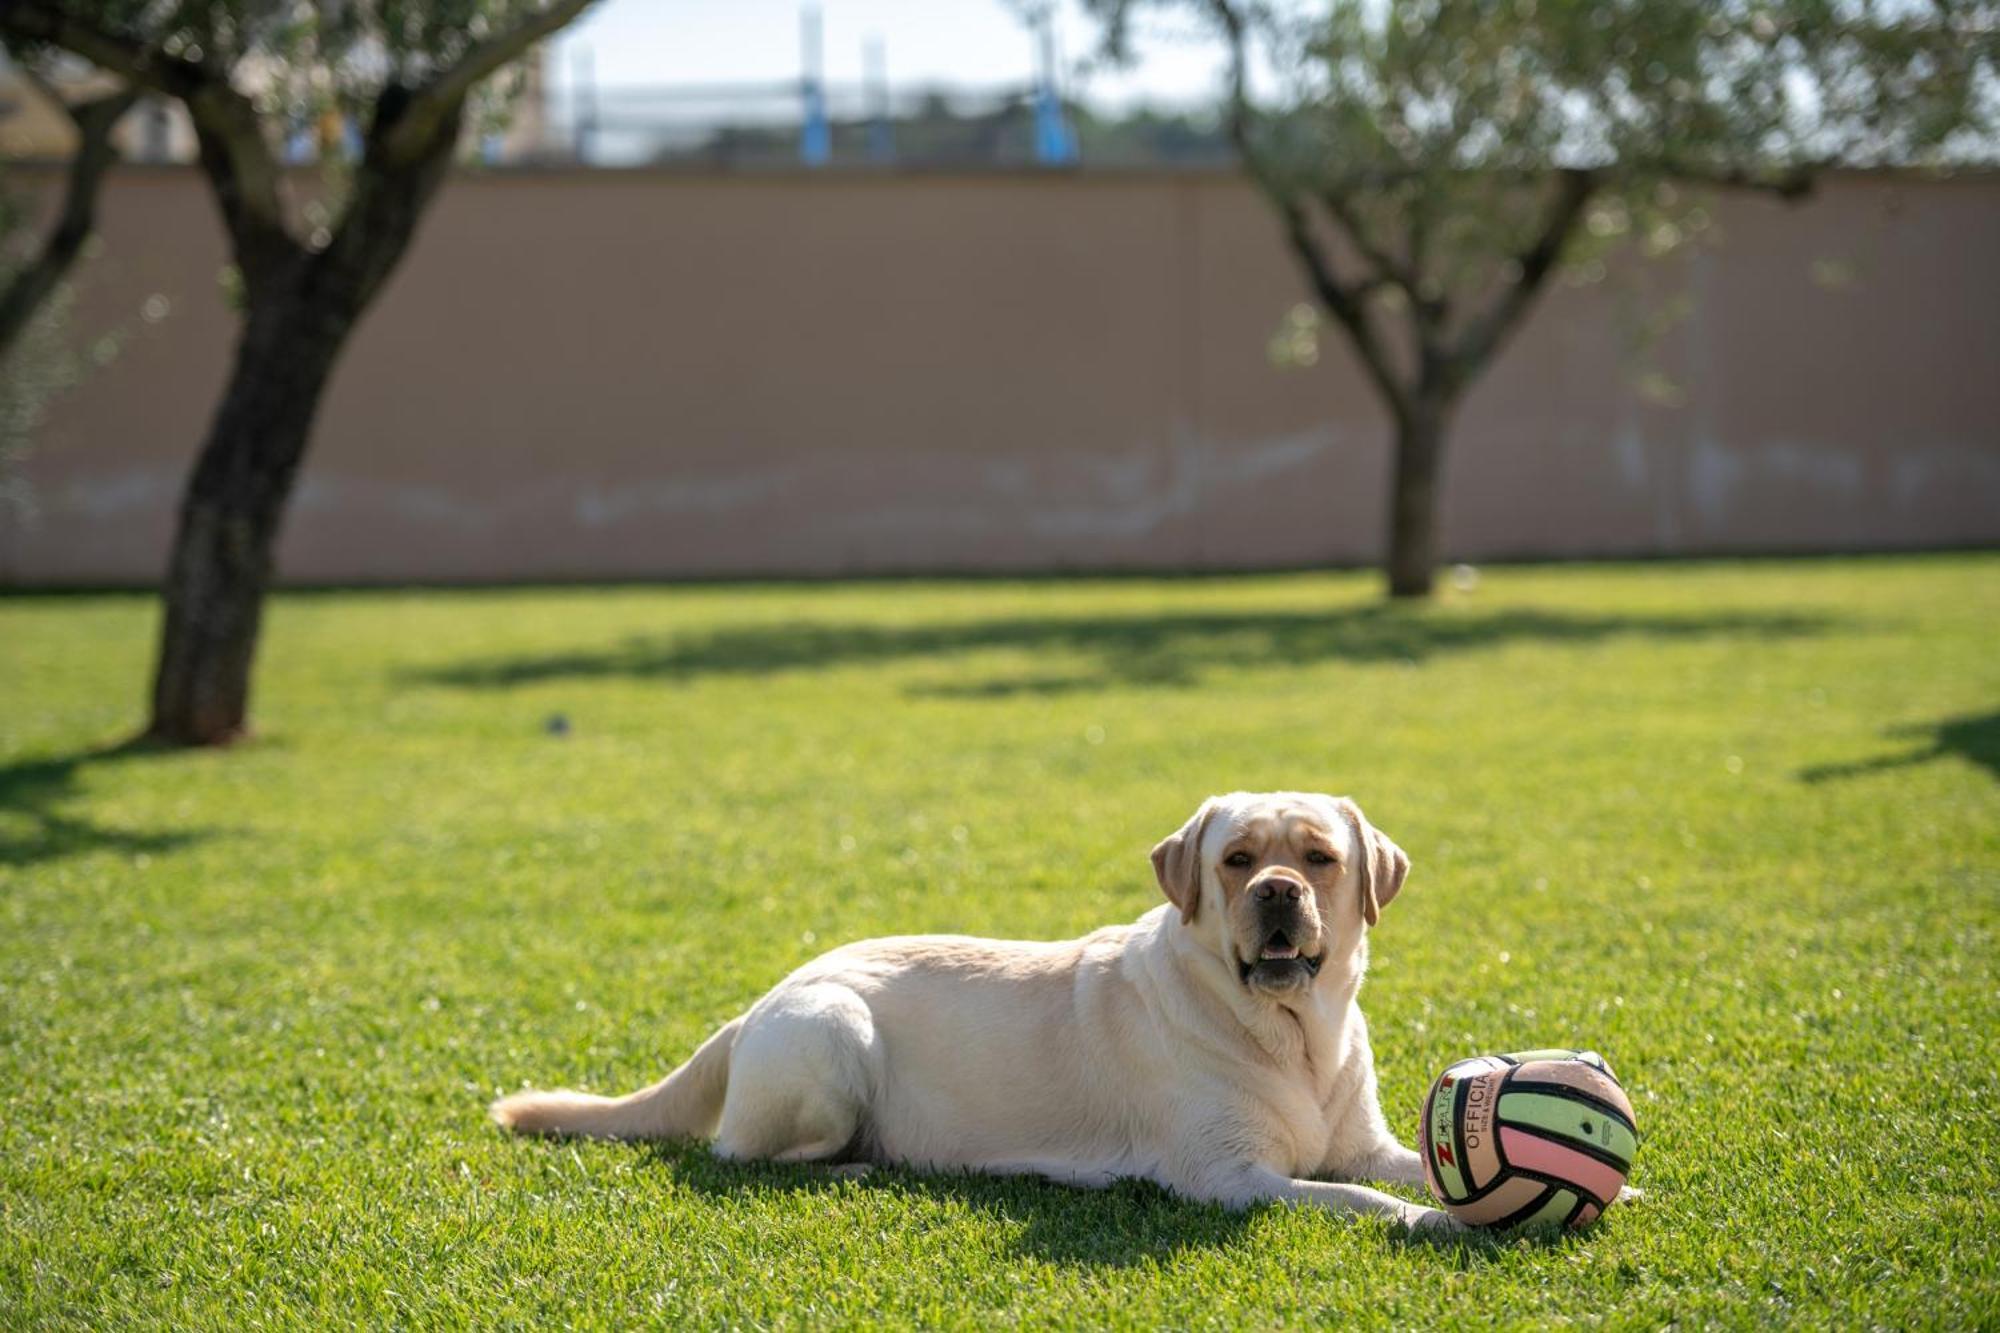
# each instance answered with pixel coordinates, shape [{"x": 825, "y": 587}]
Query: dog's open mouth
[{"x": 1278, "y": 960}]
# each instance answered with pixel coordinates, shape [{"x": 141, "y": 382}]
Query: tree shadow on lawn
[
  {"x": 1976, "y": 738},
  {"x": 1131, "y": 1222},
  {"x": 1165, "y": 649},
  {"x": 34, "y": 791}
]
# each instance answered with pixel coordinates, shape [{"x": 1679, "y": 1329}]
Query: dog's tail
[{"x": 685, "y": 1104}]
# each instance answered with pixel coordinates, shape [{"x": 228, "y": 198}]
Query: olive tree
[
  {"x": 1434, "y": 163},
  {"x": 246, "y": 70}
]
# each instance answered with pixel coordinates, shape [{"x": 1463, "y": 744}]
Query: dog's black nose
[{"x": 1270, "y": 889}]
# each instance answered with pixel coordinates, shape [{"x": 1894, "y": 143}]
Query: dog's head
[{"x": 1277, "y": 884}]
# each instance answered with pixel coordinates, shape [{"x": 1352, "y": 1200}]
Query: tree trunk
[
  {"x": 303, "y": 305},
  {"x": 1421, "y": 428},
  {"x": 229, "y": 519}
]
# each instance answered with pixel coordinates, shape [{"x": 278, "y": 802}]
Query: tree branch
[
  {"x": 381, "y": 217},
  {"x": 94, "y": 121},
  {"x": 1427, "y": 312},
  {"x": 1347, "y": 303},
  {"x": 1381, "y": 260},
  {"x": 136, "y": 62},
  {"x": 234, "y": 153},
  {"x": 1433, "y": 306},
  {"x": 427, "y": 108},
  {"x": 1482, "y": 338},
  {"x": 246, "y": 179}
]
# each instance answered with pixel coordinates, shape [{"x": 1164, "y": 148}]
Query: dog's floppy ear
[
  {"x": 1382, "y": 865},
  {"x": 1177, "y": 862}
]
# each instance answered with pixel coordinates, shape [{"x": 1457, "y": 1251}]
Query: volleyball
[{"x": 1537, "y": 1138}]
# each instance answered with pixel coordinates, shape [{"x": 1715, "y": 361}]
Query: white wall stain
[
  {"x": 117, "y": 495},
  {"x": 1198, "y": 471},
  {"x": 886, "y": 505},
  {"x": 589, "y": 504},
  {"x": 1713, "y": 474},
  {"x": 1115, "y": 495},
  {"x": 1923, "y": 472},
  {"x": 1009, "y": 476},
  {"x": 1109, "y": 495},
  {"x": 1642, "y": 472},
  {"x": 1822, "y": 466},
  {"x": 599, "y": 507},
  {"x": 1629, "y": 449},
  {"x": 342, "y": 495},
  {"x": 1720, "y": 477}
]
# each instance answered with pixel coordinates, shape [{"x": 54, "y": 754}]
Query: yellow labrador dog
[{"x": 1213, "y": 1046}]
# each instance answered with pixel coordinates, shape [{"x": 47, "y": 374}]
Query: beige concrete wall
[{"x": 641, "y": 375}]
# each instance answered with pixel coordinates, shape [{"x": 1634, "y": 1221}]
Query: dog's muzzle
[
  {"x": 1282, "y": 923},
  {"x": 1279, "y": 961}
]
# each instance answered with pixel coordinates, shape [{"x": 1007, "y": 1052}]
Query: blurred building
[
  {"x": 34, "y": 129},
  {"x": 726, "y": 126},
  {"x": 158, "y": 130}
]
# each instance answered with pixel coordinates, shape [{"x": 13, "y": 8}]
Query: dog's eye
[
  {"x": 1318, "y": 857},
  {"x": 1237, "y": 859}
]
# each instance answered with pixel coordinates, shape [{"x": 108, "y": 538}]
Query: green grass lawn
[{"x": 1736, "y": 826}]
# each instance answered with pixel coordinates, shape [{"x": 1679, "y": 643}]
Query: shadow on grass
[
  {"x": 1976, "y": 738},
  {"x": 1131, "y": 1222},
  {"x": 34, "y": 826},
  {"x": 1167, "y": 649}
]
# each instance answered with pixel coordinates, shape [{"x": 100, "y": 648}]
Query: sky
[{"x": 963, "y": 42}]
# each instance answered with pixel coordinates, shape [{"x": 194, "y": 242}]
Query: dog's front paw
[
  {"x": 1626, "y": 1194},
  {"x": 1424, "y": 1221}
]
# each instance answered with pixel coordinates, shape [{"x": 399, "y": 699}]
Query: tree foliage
[{"x": 250, "y": 71}]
